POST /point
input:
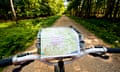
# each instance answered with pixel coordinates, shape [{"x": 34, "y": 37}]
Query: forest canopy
[
  {"x": 31, "y": 8},
  {"x": 94, "y": 8}
]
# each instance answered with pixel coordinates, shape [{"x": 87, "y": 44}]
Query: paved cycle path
[{"x": 85, "y": 64}]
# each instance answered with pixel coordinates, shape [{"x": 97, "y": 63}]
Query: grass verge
[
  {"x": 17, "y": 37},
  {"x": 104, "y": 29},
  {"x": 14, "y": 38}
]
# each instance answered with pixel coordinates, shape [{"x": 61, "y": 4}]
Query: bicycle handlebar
[
  {"x": 6, "y": 62},
  {"x": 15, "y": 59},
  {"x": 113, "y": 50}
]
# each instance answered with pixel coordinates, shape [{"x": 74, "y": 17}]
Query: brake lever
[
  {"x": 103, "y": 56},
  {"x": 100, "y": 54},
  {"x": 19, "y": 68},
  {"x": 24, "y": 62},
  {"x": 24, "y": 54}
]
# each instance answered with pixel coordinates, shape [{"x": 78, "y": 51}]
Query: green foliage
[
  {"x": 31, "y": 8},
  {"x": 14, "y": 38},
  {"x": 94, "y": 8},
  {"x": 104, "y": 29},
  {"x": 4, "y": 9},
  {"x": 57, "y": 6}
]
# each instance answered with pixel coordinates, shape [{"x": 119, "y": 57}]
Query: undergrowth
[
  {"x": 102, "y": 28},
  {"x": 17, "y": 37}
]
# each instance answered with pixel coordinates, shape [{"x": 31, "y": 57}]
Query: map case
[{"x": 58, "y": 42}]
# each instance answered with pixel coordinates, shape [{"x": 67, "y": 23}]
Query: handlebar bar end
[{"x": 5, "y": 62}]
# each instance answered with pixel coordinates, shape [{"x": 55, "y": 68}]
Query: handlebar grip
[
  {"x": 113, "y": 50},
  {"x": 5, "y": 62}
]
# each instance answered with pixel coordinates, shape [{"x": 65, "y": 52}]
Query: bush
[
  {"x": 104, "y": 29},
  {"x": 14, "y": 38}
]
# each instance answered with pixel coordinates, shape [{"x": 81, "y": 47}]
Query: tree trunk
[
  {"x": 82, "y": 8},
  {"x": 110, "y": 7},
  {"x": 88, "y": 8},
  {"x": 13, "y": 10},
  {"x": 116, "y": 9}
]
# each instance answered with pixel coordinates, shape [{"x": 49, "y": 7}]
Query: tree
[
  {"x": 94, "y": 8},
  {"x": 30, "y": 8},
  {"x": 82, "y": 11},
  {"x": 74, "y": 7},
  {"x": 13, "y": 10},
  {"x": 5, "y": 9},
  {"x": 117, "y": 8},
  {"x": 110, "y": 7},
  {"x": 57, "y": 6},
  {"x": 88, "y": 8}
]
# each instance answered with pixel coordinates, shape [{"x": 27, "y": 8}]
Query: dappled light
[
  {"x": 97, "y": 20},
  {"x": 104, "y": 29},
  {"x": 18, "y": 37},
  {"x": 19, "y": 9},
  {"x": 94, "y": 8}
]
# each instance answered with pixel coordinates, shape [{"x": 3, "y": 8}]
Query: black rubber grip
[
  {"x": 5, "y": 62},
  {"x": 113, "y": 50}
]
